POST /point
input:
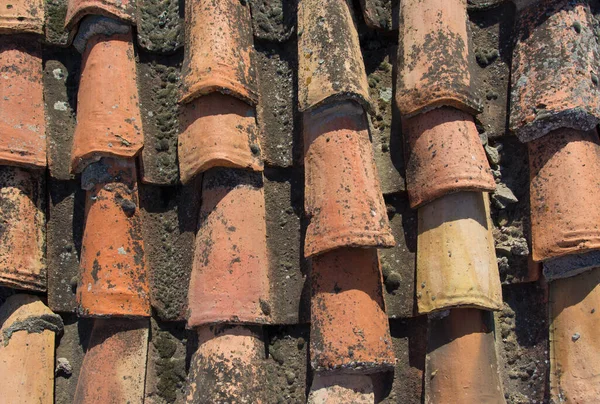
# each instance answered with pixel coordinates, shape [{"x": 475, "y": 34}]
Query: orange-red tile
[
  {"x": 349, "y": 327},
  {"x": 433, "y": 57},
  {"x": 461, "y": 364},
  {"x": 218, "y": 50},
  {"x": 444, "y": 155},
  {"x": 22, "y": 116},
  {"x": 120, "y": 9},
  {"x": 574, "y": 342},
  {"x": 108, "y": 113},
  {"x": 27, "y": 350},
  {"x": 22, "y": 238},
  {"x": 22, "y": 16},
  {"x": 341, "y": 389},
  {"x": 564, "y": 190},
  {"x": 114, "y": 366},
  {"x": 330, "y": 63},
  {"x": 230, "y": 275},
  {"x": 228, "y": 366},
  {"x": 114, "y": 280},
  {"x": 217, "y": 131},
  {"x": 555, "y": 70},
  {"x": 343, "y": 199},
  {"x": 456, "y": 258}
]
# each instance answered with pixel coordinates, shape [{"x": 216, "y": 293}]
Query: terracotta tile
[
  {"x": 19, "y": 16},
  {"x": 114, "y": 366},
  {"x": 563, "y": 190},
  {"x": 114, "y": 279},
  {"x": 22, "y": 239},
  {"x": 461, "y": 364},
  {"x": 349, "y": 327},
  {"x": 555, "y": 70},
  {"x": 108, "y": 115},
  {"x": 219, "y": 47},
  {"x": 433, "y": 56},
  {"x": 330, "y": 63},
  {"x": 341, "y": 389},
  {"x": 444, "y": 155},
  {"x": 120, "y": 9},
  {"x": 22, "y": 117},
  {"x": 27, "y": 350},
  {"x": 343, "y": 199},
  {"x": 574, "y": 342},
  {"x": 228, "y": 366},
  {"x": 456, "y": 259},
  {"x": 217, "y": 131},
  {"x": 230, "y": 274}
]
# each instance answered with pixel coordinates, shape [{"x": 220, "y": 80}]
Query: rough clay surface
[{"x": 160, "y": 25}]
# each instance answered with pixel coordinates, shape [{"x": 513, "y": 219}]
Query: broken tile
[
  {"x": 159, "y": 25},
  {"x": 444, "y": 155},
  {"x": 228, "y": 365},
  {"x": 22, "y": 116},
  {"x": 349, "y": 327},
  {"x": 456, "y": 260},
  {"x": 555, "y": 70},
  {"x": 574, "y": 344},
  {"x": 22, "y": 16},
  {"x": 434, "y": 57},
  {"x": 461, "y": 364},
  {"x": 564, "y": 189},
  {"x": 218, "y": 51},
  {"x": 27, "y": 337},
  {"x": 217, "y": 131},
  {"x": 330, "y": 64},
  {"x": 340, "y": 389},
  {"x": 343, "y": 199},
  {"x": 119, "y": 9},
  {"x": 64, "y": 233},
  {"x": 114, "y": 279},
  {"x": 230, "y": 276},
  {"x": 114, "y": 367},
  {"x": 23, "y": 238}
]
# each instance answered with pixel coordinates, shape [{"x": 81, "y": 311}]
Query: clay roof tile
[{"x": 22, "y": 16}]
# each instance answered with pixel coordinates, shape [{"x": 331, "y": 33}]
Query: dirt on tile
[
  {"x": 273, "y": 20},
  {"x": 160, "y": 25},
  {"x": 159, "y": 81},
  {"x": 287, "y": 364}
]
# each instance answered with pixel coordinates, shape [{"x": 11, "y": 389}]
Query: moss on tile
[
  {"x": 160, "y": 25},
  {"x": 273, "y": 20},
  {"x": 56, "y": 12}
]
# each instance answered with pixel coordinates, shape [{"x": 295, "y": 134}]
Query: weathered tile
[
  {"x": 273, "y": 20},
  {"x": 168, "y": 229},
  {"x": 434, "y": 57},
  {"x": 23, "y": 235},
  {"x": 343, "y": 199},
  {"x": 22, "y": 116},
  {"x": 64, "y": 232},
  {"x": 120, "y": 9},
  {"x": 217, "y": 130},
  {"x": 444, "y": 155},
  {"x": 108, "y": 114},
  {"x": 555, "y": 70},
  {"x": 330, "y": 64},
  {"x": 160, "y": 25},
  {"x": 290, "y": 292},
  {"x": 22, "y": 16},
  {"x": 349, "y": 327},
  {"x": 230, "y": 275},
  {"x": 114, "y": 279},
  {"x": 456, "y": 260},
  {"x": 219, "y": 50},
  {"x": 340, "y": 389},
  {"x": 114, "y": 367}
]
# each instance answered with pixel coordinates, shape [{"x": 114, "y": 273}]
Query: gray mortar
[
  {"x": 570, "y": 265},
  {"x": 96, "y": 25},
  {"x": 37, "y": 324},
  {"x": 273, "y": 20},
  {"x": 61, "y": 79},
  {"x": 160, "y": 25},
  {"x": 398, "y": 263},
  {"x": 159, "y": 81},
  {"x": 169, "y": 227},
  {"x": 64, "y": 234},
  {"x": 522, "y": 339},
  {"x": 56, "y": 12},
  {"x": 284, "y": 204},
  {"x": 276, "y": 111},
  {"x": 287, "y": 364}
]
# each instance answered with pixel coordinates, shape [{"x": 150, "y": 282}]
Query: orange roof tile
[
  {"x": 343, "y": 199},
  {"x": 20, "y": 16}
]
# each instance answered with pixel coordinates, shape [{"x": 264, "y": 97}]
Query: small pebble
[{"x": 575, "y": 337}]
